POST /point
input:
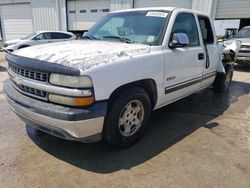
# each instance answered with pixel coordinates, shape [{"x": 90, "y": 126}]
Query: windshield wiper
[
  {"x": 122, "y": 39},
  {"x": 89, "y": 37}
]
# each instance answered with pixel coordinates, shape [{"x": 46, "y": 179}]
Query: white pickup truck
[{"x": 106, "y": 85}]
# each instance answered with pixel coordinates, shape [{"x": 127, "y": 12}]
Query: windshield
[
  {"x": 131, "y": 27},
  {"x": 243, "y": 33},
  {"x": 29, "y": 36}
]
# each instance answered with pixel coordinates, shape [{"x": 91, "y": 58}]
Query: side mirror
[{"x": 179, "y": 40}]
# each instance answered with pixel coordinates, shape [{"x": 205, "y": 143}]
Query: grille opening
[
  {"x": 245, "y": 46},
  {"x": 35, "y": 75},
  {"x": 32, "y": 91}
]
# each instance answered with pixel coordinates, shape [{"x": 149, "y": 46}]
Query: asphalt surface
[{"x": 200, "y": 141}]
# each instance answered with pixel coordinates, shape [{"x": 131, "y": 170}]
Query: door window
[
  {"x": 43, "y": 36},
  {"x": 60, "y": 36},
  {"x": 39, "y": 37},
  {"x": 206, "y": 30},
  {"x": 185, "y": 23},
  {"x": 47, "y": 36}
]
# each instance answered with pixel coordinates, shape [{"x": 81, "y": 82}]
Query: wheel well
[{"x": 148, "y": 85}]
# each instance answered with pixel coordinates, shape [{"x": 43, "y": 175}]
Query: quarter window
[
  {"x": 185, "y": 23},
  {"x": 206, "y": 30},
  {"x": 60, "y": 36}
]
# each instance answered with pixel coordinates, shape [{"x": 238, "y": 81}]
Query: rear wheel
[
  {"x": 127, "y": 118},
  {"x": 223, "y": 81}
]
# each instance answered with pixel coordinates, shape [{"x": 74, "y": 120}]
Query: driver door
[{"x": 183, "y": 65}]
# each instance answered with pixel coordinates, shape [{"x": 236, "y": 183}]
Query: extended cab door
[
  {"x": 183, "y": 65},
  {"x": 212, "y": 51}
]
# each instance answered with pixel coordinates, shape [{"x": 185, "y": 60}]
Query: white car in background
[{"x": 37, "y": 38}]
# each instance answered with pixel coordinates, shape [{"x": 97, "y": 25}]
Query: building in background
[
  {"x": 21, "y": 17},
  {"x": 222, "y": 25}
]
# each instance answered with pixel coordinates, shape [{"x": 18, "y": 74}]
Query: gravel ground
[{"x": 200, "y": 141}]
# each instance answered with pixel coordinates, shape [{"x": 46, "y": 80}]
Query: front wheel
[
  {"x": 222, "y": 82},
  {"x": 127, "y": 118}
]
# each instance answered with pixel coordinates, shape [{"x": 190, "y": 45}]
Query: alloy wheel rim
[{"x": 131, "y": 118}]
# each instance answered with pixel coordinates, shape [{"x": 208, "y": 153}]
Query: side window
[
  {"x": 43, "y": 36},
  {"x": 185, "y": 23},
  {"x": 39, "y": 37},
  {"x": 65, "y": 36},
  {"x": 206, "y": 29},
  {"x": 47, "y": 36},
  {"x": 60, "y": 36}
]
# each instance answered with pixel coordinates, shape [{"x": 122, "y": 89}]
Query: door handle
[{"x": 201, "y": 56}]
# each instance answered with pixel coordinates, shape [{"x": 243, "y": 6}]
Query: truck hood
[{"x": 83, "y": 54}]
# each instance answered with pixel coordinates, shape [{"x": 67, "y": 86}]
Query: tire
[
  {"x": 223, "y": 81},
  {"x": 127, "y": 118}
]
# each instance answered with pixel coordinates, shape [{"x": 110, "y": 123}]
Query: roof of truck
[
  {"x": 148, "y": 8},
  {"x": 161, "y": 9}
]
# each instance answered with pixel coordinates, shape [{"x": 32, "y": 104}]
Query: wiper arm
[{"x": 122, "y": 39}]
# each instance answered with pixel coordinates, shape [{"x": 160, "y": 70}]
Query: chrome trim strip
[
  {"x": 20, "y": 80},
  {"x": 188, "y": 83},
  {"x": 77, "y": 129}
]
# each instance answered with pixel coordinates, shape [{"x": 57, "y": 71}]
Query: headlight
[
  {"x": 71, "y": 101},
  {"x": 71, "y": 81}
]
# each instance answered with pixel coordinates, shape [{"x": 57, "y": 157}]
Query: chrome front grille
[
  {"x": 244, "y": 51},
  {"x": 32, "y": 91},
  {"x": 35, "y": 75},
  {"x": 244, "y": 46}
]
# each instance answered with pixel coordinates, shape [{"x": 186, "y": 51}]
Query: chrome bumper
[{"x": 85, "y": 131}]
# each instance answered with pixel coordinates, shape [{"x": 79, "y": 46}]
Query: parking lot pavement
[{"x": 200, "y": 141}]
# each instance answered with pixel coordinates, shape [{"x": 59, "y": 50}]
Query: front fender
[{"x": 108, "y": 78}]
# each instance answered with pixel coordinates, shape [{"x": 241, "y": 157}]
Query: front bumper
[
  {"x": 7, "y": 50},
  {"x": 83, "y": 125}
]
